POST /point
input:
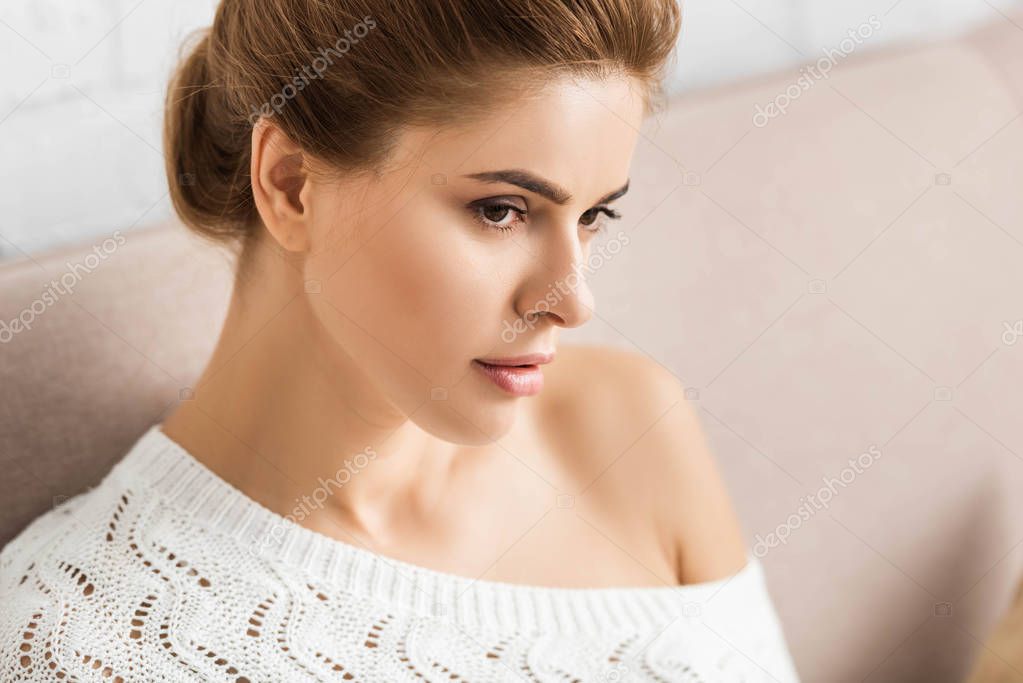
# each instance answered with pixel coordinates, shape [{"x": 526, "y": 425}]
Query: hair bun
[{"x": 206, "y": 149}]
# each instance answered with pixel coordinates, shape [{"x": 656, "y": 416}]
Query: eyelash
[{"x": 479, "y": 209}]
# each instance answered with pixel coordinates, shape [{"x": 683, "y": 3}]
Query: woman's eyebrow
[
  {"x": 538, "y": 185},
  {"x": 611, "y": 196}
]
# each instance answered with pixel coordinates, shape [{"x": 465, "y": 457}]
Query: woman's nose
[{"x": 557, "y": 285}]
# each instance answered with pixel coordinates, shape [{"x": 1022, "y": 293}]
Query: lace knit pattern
[{"x": 166, "y": 572}]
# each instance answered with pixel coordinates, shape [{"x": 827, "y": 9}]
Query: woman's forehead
[{"x": 567, "y": 124}]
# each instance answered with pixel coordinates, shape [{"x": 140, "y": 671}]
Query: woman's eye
[
  {"x": 590, "y": 216},
  {"x": 505, "y": 217},
  {"x": 498, "y": 216}
]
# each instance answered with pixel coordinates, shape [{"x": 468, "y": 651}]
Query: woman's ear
[{"x": 279, "y": 175}]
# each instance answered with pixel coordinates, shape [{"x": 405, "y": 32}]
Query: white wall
[
  {"x": 724, "y": 40},
  {"x": 81, "y": 86}
]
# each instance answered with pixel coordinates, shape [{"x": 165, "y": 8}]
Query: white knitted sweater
[{"x": 159, "y": 574}]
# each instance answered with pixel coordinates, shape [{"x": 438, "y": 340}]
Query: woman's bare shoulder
[{"x": 625, "y": 425}]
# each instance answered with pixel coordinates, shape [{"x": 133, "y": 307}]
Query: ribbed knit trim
[{"x": 160, "y": 466}]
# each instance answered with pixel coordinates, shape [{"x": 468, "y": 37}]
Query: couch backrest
[{"x": 96, "y": 344}]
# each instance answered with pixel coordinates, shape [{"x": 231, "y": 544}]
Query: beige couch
[{"x": 831, "y": 284}]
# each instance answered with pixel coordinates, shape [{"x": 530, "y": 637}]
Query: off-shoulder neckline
[{"x": 158, "y": 464}]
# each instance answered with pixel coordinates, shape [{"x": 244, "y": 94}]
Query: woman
[{"x": 389, "y": 470}]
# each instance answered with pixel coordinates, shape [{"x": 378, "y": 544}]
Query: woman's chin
[{"x": 474, "y": 423}]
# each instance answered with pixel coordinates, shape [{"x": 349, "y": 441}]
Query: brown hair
[{"x": 340, "y": 77}]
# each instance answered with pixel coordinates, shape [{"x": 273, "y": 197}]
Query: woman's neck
[{"x": 298, "y": 427}]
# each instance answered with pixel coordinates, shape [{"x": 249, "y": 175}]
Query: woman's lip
[
  {"x": 518, "y": 381},
  {"x": 528, "y": 359}
]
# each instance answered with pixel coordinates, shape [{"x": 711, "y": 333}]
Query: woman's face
[{"x": 471, "y": 244}]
